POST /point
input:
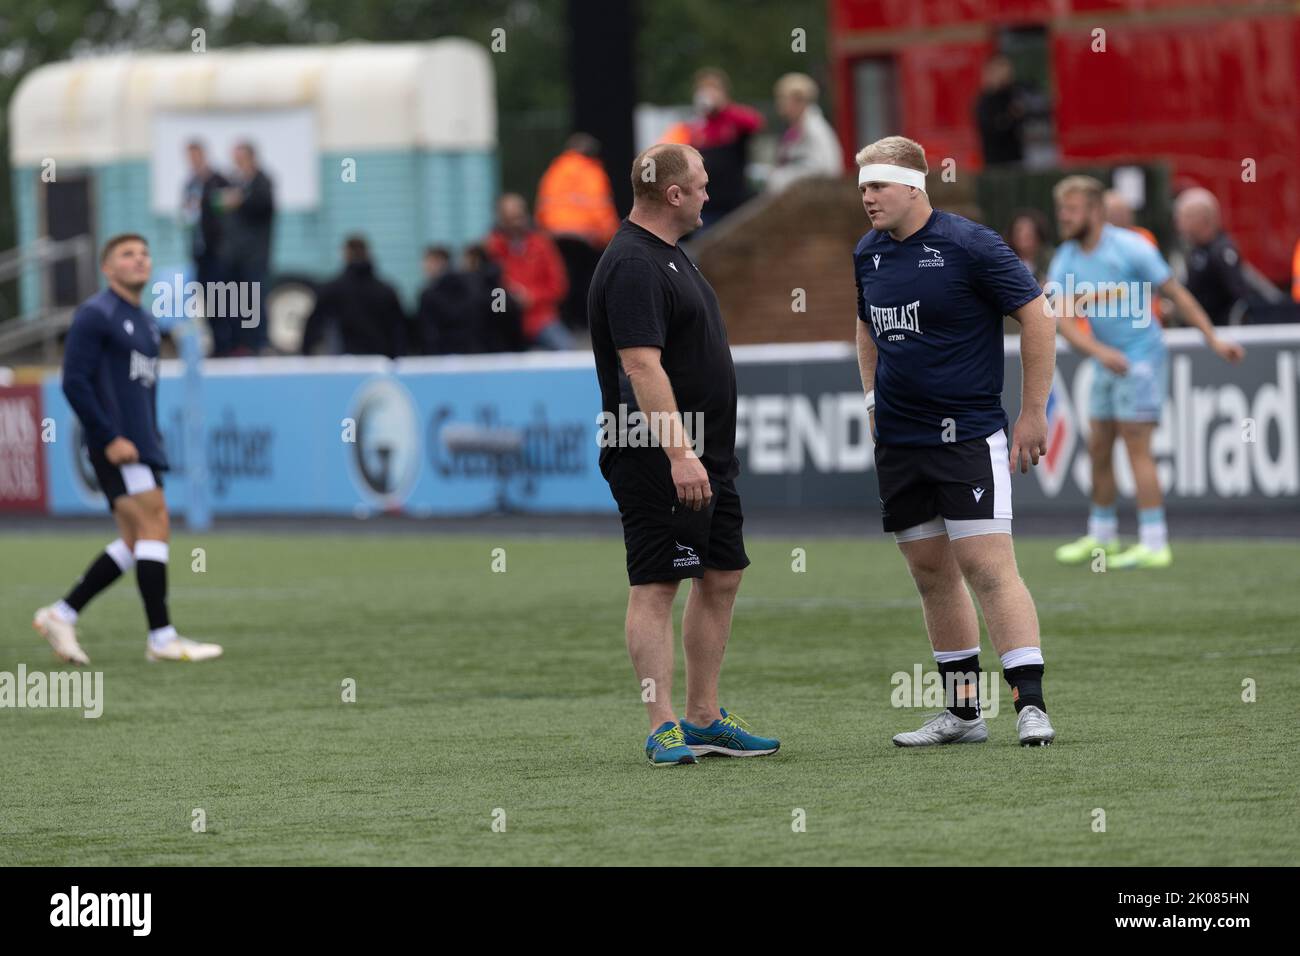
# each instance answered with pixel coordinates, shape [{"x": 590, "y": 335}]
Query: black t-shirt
[
  {"x": 1215, "y": 279},
  {"x": 646, "y": 292}
]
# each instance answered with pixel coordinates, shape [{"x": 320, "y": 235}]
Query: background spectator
[
  {"x": 575, "y": 204},
  {"x": 199, "y": 208},
  {"x": 532, "y": 271},
  {"x": 501, "y": 324},
  {"x": 1295, "y": 273},
  {"x": 360, "y": 308},
  {"x": 721, "y": 132},
  {"x": 1216, "y": 274},
  {"x": 454, "y": 308},
  {"x": 1000, "y": 113},
  {"x": 1120, "y": 214},
  {"x": 250, "y": 200},
  {"x": 809, "y": 146},
  {"x": 1029, "y": 237}
]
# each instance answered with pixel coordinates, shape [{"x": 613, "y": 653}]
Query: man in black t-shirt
[{"x": 668, "y": 438}]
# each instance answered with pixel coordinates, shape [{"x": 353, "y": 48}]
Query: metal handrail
[
  {"x": 44, "y": 251},
  {"x": 41, "y": 328}
]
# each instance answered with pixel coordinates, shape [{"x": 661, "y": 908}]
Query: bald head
[
  {"x": 660, "y": 167},
  {"x": 1118, "y": 211},
  {"x": 1196, "y": 215},
  {"x": 669, "y": 187}
]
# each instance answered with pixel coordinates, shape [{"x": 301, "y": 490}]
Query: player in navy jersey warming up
[
  {"x": 110, "y": 371},
  {"x": 932, "y": 291}
]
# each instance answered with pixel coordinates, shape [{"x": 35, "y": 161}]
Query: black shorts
[
  {"x": 961, "y": 481},
  {"x": 118, "y": 480},
  {"x": 667, "y": 541}
]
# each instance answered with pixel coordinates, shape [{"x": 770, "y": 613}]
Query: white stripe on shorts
[
  {"x": 1001, "y": 465},
  {"x": 926, "y": 529},
  {"x": 954, "y": 528},
  {"x": 138, "y": 478}
]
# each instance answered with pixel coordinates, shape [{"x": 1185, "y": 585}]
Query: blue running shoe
[
  {"x": 666, "y": 747},
  {"x": 729, "y": 737}
]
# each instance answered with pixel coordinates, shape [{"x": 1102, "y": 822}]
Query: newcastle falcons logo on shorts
[{"x": 687, "y": 558}]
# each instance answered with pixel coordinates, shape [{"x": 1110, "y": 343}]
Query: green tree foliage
[{"x": 750, "y": 39}]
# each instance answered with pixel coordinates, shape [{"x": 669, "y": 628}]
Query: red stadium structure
[{"x": 1203, "y": 86}]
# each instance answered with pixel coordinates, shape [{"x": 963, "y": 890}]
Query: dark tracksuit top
[{"x": 110, "y": 375}]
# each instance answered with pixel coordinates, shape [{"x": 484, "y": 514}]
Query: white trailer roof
[{"x": 437, "y": 95}]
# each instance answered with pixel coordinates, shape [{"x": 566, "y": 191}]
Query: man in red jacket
[
  {"x": 721, "y": 132},
  {"x": 532, "y": 271}
]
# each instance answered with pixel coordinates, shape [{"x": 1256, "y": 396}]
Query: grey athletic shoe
[
  {"x": 1034, "y": 728},
  {"x": 945, "y": 728}
]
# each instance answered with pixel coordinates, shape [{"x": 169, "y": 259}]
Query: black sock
[
  {"x": 1026, "y": 686},
  {"x": 961, "y": 686},
  {"x": 151, "y": 577},
  {"x": 102, "y": 572}
]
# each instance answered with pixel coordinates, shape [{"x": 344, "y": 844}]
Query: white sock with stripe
[{"x": 1152, "y": 530}]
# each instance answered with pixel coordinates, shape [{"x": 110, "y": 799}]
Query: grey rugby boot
[
  {"x": 1034, "y": 728},
  {"x": 945, "y": 728}
]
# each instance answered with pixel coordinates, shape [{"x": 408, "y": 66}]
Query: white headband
[{"x": 885, "y": 173}]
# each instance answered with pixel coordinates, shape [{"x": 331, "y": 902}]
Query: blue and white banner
[
  {"x": 361, "y": 436},
  {"x": 477, "y": 434}
]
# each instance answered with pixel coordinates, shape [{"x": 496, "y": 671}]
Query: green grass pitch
[{"x": 478, "y": 691}]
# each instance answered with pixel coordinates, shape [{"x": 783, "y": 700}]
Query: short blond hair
[
  {"x": 799, "y": 85},
  {"x": 896, "y": 151},
  {"x": 670, "y": 163},
  {"x": 1092, "y": 189}
]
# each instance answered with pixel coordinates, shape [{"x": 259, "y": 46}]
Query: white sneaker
[
  {"x": 61, "y": 635},
  {"x": 945, "y": 727},
  {"x": 1034, "y": 728},
  {"x": 182, "y": 649}
]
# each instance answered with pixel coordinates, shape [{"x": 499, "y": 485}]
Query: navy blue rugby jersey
[
  {"x": 934, "y": 305},
  {"x": 110, "y": 375}
]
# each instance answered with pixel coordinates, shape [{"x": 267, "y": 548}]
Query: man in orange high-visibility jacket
[
  {"x": 575, "y": 204},
  {"x": 574, "y": 197},
  {"x": 1295, "y": 273}
]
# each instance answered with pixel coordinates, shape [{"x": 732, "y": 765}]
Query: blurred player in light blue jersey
[{"x": 1112, "y": 276}]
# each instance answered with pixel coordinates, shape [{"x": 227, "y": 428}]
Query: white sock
[
  {"x": 147, "y": 550},
  {"x": 161, "y": 636},
  {"x": 65, "y": 610},
  {"x": 1103, "y": 524},
  {"x": 121, "y": 555},
  {"x": 947, "y": 657},
  {"x": 1152, "y": 531},
  {"x": 1020, "y": 656}
]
